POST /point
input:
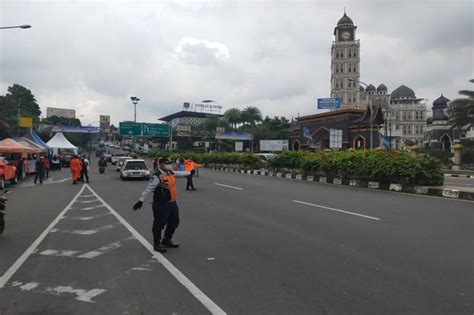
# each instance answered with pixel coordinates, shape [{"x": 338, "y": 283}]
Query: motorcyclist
[{"x": 102, "y": 162}]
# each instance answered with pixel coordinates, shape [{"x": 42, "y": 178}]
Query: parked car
[
  {"x": 7, "y": 173},
  {"x": 121, "y": 160},
  {"x": 134, "y": 169}
]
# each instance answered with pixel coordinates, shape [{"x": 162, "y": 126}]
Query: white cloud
[{"x": 201, "y": 52}]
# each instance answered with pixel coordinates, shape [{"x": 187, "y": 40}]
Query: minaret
[{"x": 345, "y": 63}]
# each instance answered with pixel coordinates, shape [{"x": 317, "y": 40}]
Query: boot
[
  {"x": 159, "y": 248},
  {"x": 168, "y": 242}
]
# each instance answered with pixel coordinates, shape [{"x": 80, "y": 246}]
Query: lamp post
[
  {"x": 17, "y": 26},
  {"x": 370, "y": 107},
  {"x": 135, "y": 101}
]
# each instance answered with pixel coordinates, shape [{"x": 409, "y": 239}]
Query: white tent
[{"x": 59, "y": 141}]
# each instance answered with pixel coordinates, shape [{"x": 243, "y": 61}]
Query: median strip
[{"x": 337, "y": 210}]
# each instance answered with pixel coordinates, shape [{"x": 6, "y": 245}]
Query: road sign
[
  {"x": 26, "y": 122},
  {"x": 329, "y": 103},
  {"x": 130, "y": 129},
  {"x": 156, "y": 130}
]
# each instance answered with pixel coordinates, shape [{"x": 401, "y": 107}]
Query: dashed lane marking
[
  {"x": 86, "y": 232},
  {"x": 337, "y": 210},
  {"x": 90, "y": 217},
  {"x": 21, "y": 260},
  {"x": 228, "y": 186},
  {"x": 178, "y": 275}
]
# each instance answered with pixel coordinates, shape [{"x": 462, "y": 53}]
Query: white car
[
  {"x": 134, "y": 169},
  {"x": 122, "y": 160}
]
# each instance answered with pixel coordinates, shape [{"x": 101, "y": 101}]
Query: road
[
  {"x": 465, "y": 184},
  {"x": 249, "y": 245}
]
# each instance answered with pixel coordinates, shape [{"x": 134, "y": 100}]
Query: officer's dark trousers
[
  {"x": 189, "y": 181},
  {"x": 164, "y": 215},
  {"x": 40, "y": 175},
  {"x": 86, "y": 174}
]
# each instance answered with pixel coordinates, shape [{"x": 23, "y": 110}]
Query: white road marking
[
  {"x": 81, "y": 294},
  {"x": 338, "y": 210},
  {"x": 141, "y": 269},
  {"x": 91, "y": 208},
  {"x": 29, "y": 286},
  {"x": 87, "y": 201},
  {"x": 105, "y": 249},
  {"x": 233, "y": 187},
  {"x": 86, "y": 232},
  {"x": 17, "y": 264},
  {"x": 59, "y": 253},
  {"x": 85, "y": 196},
  {"x": 178, "y": 275},
  {"x": 89, "y": 218}
]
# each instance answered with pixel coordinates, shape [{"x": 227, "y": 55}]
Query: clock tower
[{"x": 345, "y": 63}]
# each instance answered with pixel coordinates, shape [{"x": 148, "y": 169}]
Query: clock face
[{"x": 345, "y": 35}]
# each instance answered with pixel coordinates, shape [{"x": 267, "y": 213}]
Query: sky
[{"x": 92, "y": 56}]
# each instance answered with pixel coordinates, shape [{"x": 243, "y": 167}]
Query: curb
[
  {"x": 417, "y": 190},
  {"x": 459, "y": 175}
]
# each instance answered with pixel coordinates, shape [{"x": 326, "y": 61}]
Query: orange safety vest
[
  {"x": 190, "y": 165},
  {"x": 171, "y": 182}
]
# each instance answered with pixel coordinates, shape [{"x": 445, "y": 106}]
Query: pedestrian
[
  {"x": 19, "y": 169},
  {"x": 165, "y": 208},
  {"x": 39, "y": 168},
  {"x": 75, "y": 166},
  {"x": 155, "y": 164},
  {"x": 84, "y": 169},
  {"x": 47, "y": 167},
  {"x": 190, "y": 166}
]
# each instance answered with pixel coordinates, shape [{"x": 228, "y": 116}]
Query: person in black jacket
[{"x": 39, "y": 169}]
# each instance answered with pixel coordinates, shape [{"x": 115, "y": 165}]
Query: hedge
[
  {"x": 241, "y": 159},
  {"x": 389, "y": 167}
]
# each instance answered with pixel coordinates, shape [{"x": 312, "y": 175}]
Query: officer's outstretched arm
[
  {"x": 181, "y": 174},
  {"x": 155, "y": 181}
]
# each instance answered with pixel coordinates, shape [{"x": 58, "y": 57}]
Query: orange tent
[{"x": 11, "y": 146}]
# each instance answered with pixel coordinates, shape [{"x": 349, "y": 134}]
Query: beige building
[{"x": 345, "y": 63}]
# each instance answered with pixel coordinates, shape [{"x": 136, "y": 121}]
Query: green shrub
[{"x": 388, "y": 167}]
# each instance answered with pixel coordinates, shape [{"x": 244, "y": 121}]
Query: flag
[{"x": 307, "y": 133}]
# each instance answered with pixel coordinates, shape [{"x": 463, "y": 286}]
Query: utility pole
[{"x": 19, "y": 107}]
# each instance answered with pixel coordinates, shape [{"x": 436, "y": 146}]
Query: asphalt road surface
[{"x": 249, "y": 245}]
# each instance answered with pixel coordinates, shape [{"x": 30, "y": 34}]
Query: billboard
[
  {"x": 274, "y": 145},
  {"x": 144, "y": 129},
  {"x": 335, "y": 138},
  {"x": 130, "y": 129},
  {"x": 239, "y": 146},
  {"x": 26, "y": 122},
  {"x": 232, "y": 135},
  {"x": 60, "y": 112},
  {"x": 329, "y": 103},
  {"x": 104, "y": 123},
  {"x": 156, "y": 130}
]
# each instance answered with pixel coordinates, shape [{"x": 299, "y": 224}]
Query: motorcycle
[
  {"x": 101, "y": 169},
  {"x": 3, "y": 200}
]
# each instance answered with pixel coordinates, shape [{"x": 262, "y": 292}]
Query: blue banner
[
  {"x": 75, "y": 129},
  {"x": 329, "y": 103},
  {"x": 234, "y": 135}
]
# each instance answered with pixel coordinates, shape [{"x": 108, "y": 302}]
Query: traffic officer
[{"x": 165, "y": 208}]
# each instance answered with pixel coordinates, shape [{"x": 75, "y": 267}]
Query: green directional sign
[
  {"x": 156, "y": 130},
  {"x": 130, "y": 129}
]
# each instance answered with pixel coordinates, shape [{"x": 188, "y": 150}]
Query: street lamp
[
  {"x": 370, "y": 106},
  {"x": 135, "y": 101},
  {"x": 18, "y": 26}
]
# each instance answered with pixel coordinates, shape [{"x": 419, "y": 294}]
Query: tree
[
  {"x": 233, "y": 116},
  {"x": 55, "y": 120},
  {"x": 18, "y": 97},
  {"x": 461, "y": 110},
  {"x": 251, "y": 114}
]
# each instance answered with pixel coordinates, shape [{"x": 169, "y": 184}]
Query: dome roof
[
  {"x": 370, "y": 88},
  {"x": 361, "y": 88},
  {"x": 441, "y": 101},
  {"x": 403, "y": 92},
  {"x": 382, "y": 87},
  {"x": 345, "y": 20}
]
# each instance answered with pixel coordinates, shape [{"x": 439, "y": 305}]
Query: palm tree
[
  {"x": 461, "y": 110},
  {"x": 251, "y": 114},
  {"x": 233, "y": 116}
]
